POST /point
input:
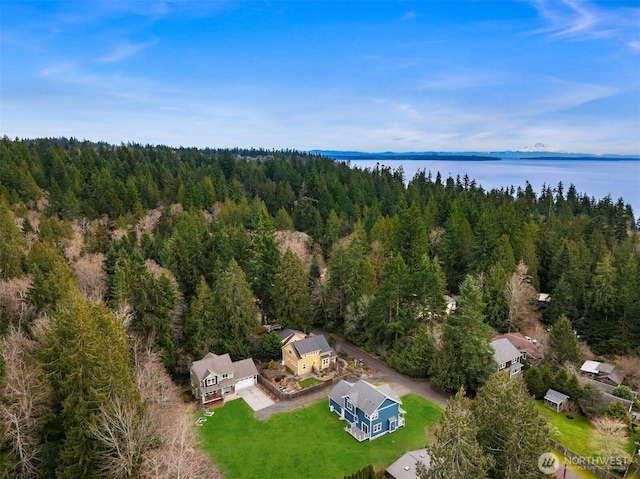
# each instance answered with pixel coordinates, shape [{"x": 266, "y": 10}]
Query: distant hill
[{"x": 537, "y": 152}]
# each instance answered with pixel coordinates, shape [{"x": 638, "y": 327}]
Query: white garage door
[{"x": 245, "y": 383}]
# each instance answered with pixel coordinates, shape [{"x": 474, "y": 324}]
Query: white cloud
[
  {"x": 126, "y": 50},
  {"x": 582, "y": 20}
]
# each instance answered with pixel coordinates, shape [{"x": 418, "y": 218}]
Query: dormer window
[{"x": 348, "y": 404}]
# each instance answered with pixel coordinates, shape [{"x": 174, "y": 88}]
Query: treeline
[{"x": 115, "y": 260}]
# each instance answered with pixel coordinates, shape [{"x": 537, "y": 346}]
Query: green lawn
[
  {"x": 305, "y": 383},
  {"x": 309, "y": 443},
  {"x": 574, "y": 433}
]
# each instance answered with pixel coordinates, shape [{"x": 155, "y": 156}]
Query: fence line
[
  {"x": 302, "y": 392},
  {"x": 583, "y": 462}
]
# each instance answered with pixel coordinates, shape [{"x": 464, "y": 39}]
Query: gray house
[
  {"x": 507, "y": 356},
  {"x": 213, "y": 377},
  {"x": 602, "y": 372}
]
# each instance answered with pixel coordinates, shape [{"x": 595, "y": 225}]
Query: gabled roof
[
  {"x": 405, "y": 467},
  {"x": 287, "y": 333},
  {"x": 504, "y": 351},
  {"x": 363, "y": 395},
  {"x": 602, "y": 370},
  {"x": 523, "y": 344},
  {"x": 244, "y": 369},
  {"x": 212, "y": 363},
  {"x": 219, "y": 365},
  {"x": 555, "y": 397},
  {"x": 310, "y": 344}
]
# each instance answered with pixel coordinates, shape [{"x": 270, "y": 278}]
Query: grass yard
[
  {"x": 305, "y": 383},
  {"x": 572, "y": 433},
  {"x": 309, "y": 442},
  {"x": 575, "y": 433}
]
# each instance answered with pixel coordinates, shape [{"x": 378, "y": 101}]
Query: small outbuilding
[{"x": 555, "y": 400}]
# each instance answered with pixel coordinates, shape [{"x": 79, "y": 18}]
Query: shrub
[
  {"x": 623, "y": 392},
  {"x": 616, "y": 410},
  {"x": 272, "y": 365}
]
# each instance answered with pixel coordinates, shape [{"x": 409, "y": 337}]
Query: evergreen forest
[{"x": 121, "y": 264}]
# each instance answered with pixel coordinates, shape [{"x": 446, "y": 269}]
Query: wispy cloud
[
  {"x": 582, "y": 20},
  {"x": 125, "y": 50}
]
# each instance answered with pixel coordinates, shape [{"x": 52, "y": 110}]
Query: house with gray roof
[
  {"x": 507, "y": 356},
  {"x": 370, "y": 411},
  {"x": 405, "y": 467},
  {"x": 602, "y": 372},
  {"x": 215, "y": 376},
  {"x": 306, "y": 354}
]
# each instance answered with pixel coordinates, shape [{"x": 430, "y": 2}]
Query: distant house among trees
[
  {"x": 543, "y": 300},
  {"x": 213, "y": 377},
  {"x": 529, "y": 347},
  {"x": 601, "y": 372},
  {"x": 507, "y": 356}
]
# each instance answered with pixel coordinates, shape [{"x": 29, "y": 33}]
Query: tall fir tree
[{"x": 292, "y": 293}]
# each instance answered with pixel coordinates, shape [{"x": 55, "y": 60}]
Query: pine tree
[
  {"x": 234, "y": 313},
  {"x": 291, "y": 293},
  {"x": 465, "y": 357},
  {"x": 510, "y": 427},
  {"x": 456, "y": 451},
  {"x": 563, "y": 344}
]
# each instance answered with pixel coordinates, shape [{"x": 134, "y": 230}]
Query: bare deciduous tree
[
  {"x": 26, "y": 398},
  {"x": 13, "y": 299},
  {"x": 520, "y": 296},
  {"x": 125, "y": 436},
  {"x": 177, "y": 455},
  {"x": 91, "y": 276}
]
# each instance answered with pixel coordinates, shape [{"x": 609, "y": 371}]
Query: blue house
[{"x": 371, "y": 411}]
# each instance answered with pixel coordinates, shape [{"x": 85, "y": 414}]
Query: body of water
[{"x": 595, "y": 178}]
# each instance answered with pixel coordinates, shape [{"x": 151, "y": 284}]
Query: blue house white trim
[{"x": 371, "y": 411}]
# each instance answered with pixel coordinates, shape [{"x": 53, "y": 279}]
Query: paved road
[{"x": 401, "y": 384}]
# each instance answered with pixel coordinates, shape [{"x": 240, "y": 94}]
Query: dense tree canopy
[{"x": 183, "y": 246}]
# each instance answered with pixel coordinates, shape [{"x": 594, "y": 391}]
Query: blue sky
[{"x": 371, "y": 76}]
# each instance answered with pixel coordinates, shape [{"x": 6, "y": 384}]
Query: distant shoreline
[{"x": 498, "y": 156}]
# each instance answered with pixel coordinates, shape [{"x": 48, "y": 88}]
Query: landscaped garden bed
[{"x": 309, "y": 442}]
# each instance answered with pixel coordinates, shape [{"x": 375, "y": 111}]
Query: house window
[
  {"x": 366, "y": 416},
  {"x": 503, "y": 365},
  {"x": 290, "y": 352},
  {"x": 524, "y": 355},
  {"x": 377, "y": 427},
  {"x": 304, "y": 366},
  {"x": 325, "y": 361},
  {"x": 374, "y": 416},
  {"x": 349, "y": 405},
  {"x": 314, "y": 363},
  {"x": 225, "y": 376},
  {"x": 211, "y": 381}
]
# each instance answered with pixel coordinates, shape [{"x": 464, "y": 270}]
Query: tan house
[
  {"x": 213, "y": 377},
  {"x": 305, "y": 354}
]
